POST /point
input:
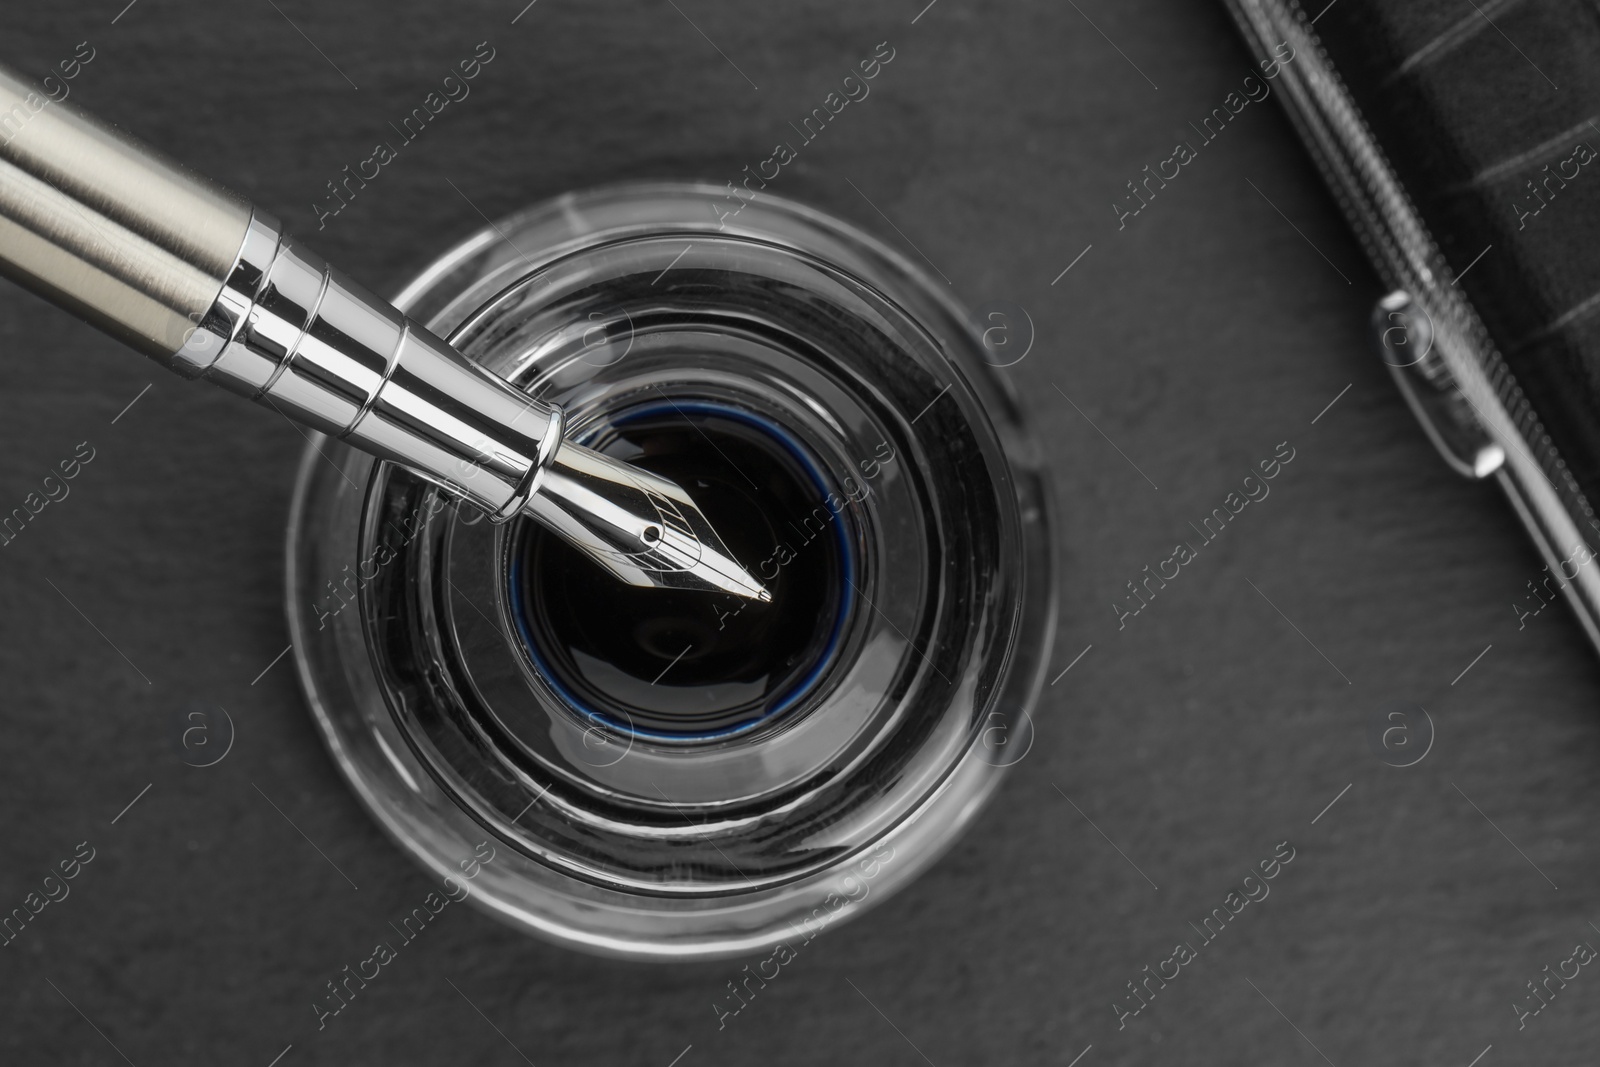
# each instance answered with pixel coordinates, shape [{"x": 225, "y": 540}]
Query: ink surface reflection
[{"x": 685, "y": 665}]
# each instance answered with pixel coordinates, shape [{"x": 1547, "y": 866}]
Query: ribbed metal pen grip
[{"x": 290, "y": 332}]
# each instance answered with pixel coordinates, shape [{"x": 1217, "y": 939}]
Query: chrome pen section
[{"x": 288, "y": 331}]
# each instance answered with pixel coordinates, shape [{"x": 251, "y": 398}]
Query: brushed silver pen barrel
[{"x": 103, "y": 225}]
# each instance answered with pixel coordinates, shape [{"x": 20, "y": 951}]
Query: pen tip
[
  {"x": 643, "y": 528},
  {"x": 716, "y": 567}
]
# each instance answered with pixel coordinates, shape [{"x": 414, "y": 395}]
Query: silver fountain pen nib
[{"x": 639, "y": 526}]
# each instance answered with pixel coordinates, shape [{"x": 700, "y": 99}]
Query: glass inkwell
[{"x": 674, "y": 774}]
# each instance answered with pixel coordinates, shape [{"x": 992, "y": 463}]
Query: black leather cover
[{"x": 1489, "y": 112}]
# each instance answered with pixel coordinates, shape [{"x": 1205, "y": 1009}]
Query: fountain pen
[{"x": 210, "y": 287}]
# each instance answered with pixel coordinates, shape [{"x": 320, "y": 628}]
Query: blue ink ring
[{"x": 773, "y": 707}]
